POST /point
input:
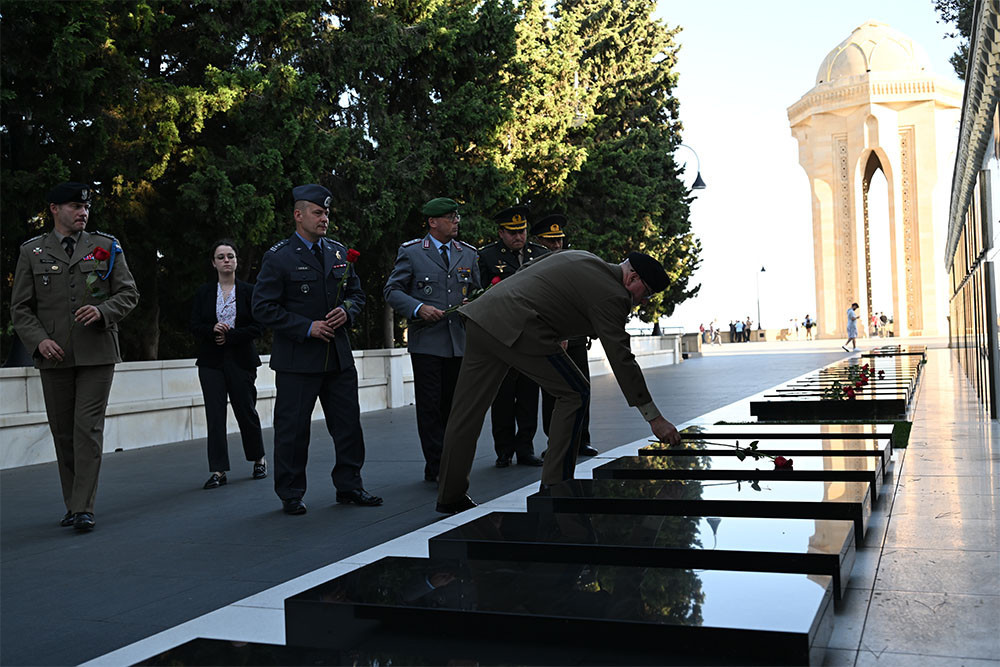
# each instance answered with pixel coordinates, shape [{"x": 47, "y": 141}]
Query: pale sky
[{"x": 741, "y": 65}]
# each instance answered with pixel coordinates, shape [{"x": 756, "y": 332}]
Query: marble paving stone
[
  {"x": 765, "y": 545},
  {"x": 975, "y": 485},
  {"x": 954, "y": 467},
  {"x": 720, "y": 446},
  {"x": 866, "y": 560},
  {"x": 792, "y": 500},
  {"x": 794, "y": 431},
  {"x": 955, "y": 532},
  {"x": 809, "y": 468},
  {"x": 942, "y": 506},
  {"x": 933, "y": 624},
  {"x": 869, "y": 658},
  {"x": 940, "y": 571},
  {"x": 607, "y": 604},
  {"x": 839, "y": 657},
  {"x": 849, "y": 619}
]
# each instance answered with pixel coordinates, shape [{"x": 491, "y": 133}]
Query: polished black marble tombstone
[
  {"x": 747, "y": 497},
  {"x": 708, "y": 445},
  {"x": 806, "y": 468},
  {"x": 793, "y": 431},
  {"x": 805, "y": 546},
  {"x": 680, "y": 614},
  {"x": 919, "y": 351},
  {"x": 864, "y": 406}
]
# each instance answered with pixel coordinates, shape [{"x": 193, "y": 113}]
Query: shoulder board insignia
[
  {"x": 467, "y": 245},
  {"x": 335, "y": 242},
  {"x": 34, "y": 238},
  {"x": 410, "y": 242},
  {"x": 278, "y": 245},
  {"x": 105, "y": 235},
  {"x": 488, "y": 246}
]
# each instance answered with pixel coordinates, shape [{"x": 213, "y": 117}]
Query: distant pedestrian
[
  {"x": 222, "y": 323},
  {"x": 701, "y": 330},
  {"x": 732, "y": 331},
  {"x": 852, "y": 328},
  {"x": 739, "y": 331},
  {"x": 746, "y": 330},
  {"x": 808, "y": 325}
]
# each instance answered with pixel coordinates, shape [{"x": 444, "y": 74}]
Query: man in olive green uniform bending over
[{"x": 70, "y": 290}]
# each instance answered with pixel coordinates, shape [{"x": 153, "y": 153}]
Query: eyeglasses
[{"x": 454, "y": 217}]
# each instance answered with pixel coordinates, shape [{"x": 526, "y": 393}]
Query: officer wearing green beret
[
  {"x": 432, "y": 274},
  {"x": 515, "y": 411},
  {"x": 71, "y": 288}
]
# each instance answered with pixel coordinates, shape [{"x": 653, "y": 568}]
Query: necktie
[
  {"x": 318, "y": 252},
  {"x": 444, "y": 255},
  {"x": 68, "y": 244}
]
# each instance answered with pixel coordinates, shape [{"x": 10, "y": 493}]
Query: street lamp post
[
  {"x": 698, "y": 183},
  {"x": 758, "y": 297}
]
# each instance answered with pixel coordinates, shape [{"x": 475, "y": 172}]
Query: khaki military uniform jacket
[
  {"x": 49, "y": 287},
  {"x": 561, "y": 295}
]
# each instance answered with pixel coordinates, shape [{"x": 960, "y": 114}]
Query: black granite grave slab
[
  {"x": 805, "y": 546},
  {"x": 749, "y": 497},
  {"x": 793, "y": 431},
  {"x": 919, "y": 351},
  {"x": 745, "y": 616},
  {"x": 381, "y": 648},
  {"x": 861, "y": 407},
  {"x": 805, "y": 468},
  {"x": 725, "y": 446}
]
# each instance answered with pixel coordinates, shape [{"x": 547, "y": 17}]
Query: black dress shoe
[
  {"x": 529, "y": 460},
  {"x": 67, "y": 520},
  {"x": 216, "y": 480},
  {"x": 503, "y": 461},
  {"x": 460, "y": 505},
  {"x": 260, "y": 470},
  {"x": 84, "y": 521},
  {"x": 293, "y": 506},
  {"x": 358, "y": 497},
  {"x": 430, "y": 478},
  {"x": 587, "y": 450}
]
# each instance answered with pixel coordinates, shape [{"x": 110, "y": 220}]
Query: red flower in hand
[
  {"x": 352, "y": 255},
  {"x": 495, "y": 280},
  {"x": 781, "y": 463},
  {"x": 100, "y": 254}
]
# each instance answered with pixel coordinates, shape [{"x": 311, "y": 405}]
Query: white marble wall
[{"x": 160, "y": 402}]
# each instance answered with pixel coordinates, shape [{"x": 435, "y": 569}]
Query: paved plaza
[{"x": 170, "y": 561}]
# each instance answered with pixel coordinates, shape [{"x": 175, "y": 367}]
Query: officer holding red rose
[
  {"x": 71, "y": 288},
  {"x": 308, "y": 292}
]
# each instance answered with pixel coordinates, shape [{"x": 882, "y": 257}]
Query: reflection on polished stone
[
  {"x": 746, "y": 497},
  {"x": 793, "y": 431},
  {"x": 806, "y": 468},
  {"x": 864, "y": 406},
  {"x": 805, "y": 546},
  {"x": 708, "y": 445},
  {"x": 748, "y": 616}
]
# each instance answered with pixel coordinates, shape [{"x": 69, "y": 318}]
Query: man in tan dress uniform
[
  {"x": 70, "y": 290},
  {"x": 519, "y": 323}
]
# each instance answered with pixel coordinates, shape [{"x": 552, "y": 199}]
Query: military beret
[
  {"x": 317, "y": 194},
  {"x": 550, "y": 227},
  {"x": 66, "y": 192},
  {"x": 650, "y": 270},
  {"x": 513, "y": 219},
  {"x": 435, "y": 208}
]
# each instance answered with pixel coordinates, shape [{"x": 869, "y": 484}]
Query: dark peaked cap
[
  {"x": 513, "y": 219},
  {"x": 436, "y": 208},
  {"x": 550, "y": 227},
  {"x": 650, "y": 270},
  {"x": 317, "y": 194},
  {"x": 67, "y": 192}
]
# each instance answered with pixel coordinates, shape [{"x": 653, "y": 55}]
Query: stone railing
[{"x": 160, "y": 402}]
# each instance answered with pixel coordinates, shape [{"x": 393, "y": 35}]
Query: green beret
[{"x": 436, "y": 208}]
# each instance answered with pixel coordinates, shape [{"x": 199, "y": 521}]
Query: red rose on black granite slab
[
  {"x": 781, "y": 463},
  {"x": 850, "y": 392}
]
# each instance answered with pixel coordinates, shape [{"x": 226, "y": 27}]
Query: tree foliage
[
  {"x": 195, "y": 118},
  {"x": 959, "y": 14}
]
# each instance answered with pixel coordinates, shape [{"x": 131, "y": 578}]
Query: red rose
[
  {"x": 850, "y": 392},
  {"x": 100, "y": 254},
  {"x": 781, "y": 463},
  {"x": 495, "y": 280},
  {"x": 352, "y": 255}
]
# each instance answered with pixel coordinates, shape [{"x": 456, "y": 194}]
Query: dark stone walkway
[{"x": 166, "y": 551}]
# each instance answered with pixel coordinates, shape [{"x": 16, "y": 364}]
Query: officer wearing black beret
[
  {"x": 308, "y": 292},
  {"x": 515, "y": 410},
  {"x": 71, "y": 288},
  {"x": 432, "y": 274}
]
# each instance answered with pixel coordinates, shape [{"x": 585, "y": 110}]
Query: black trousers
[
  {"x": 514, "y": 415},
  {"x": 237, "y": 385},
  {"x": 296, "y": 395},
  {"x": 434, "y": 380},
  {"x": 577, "y": 351}
]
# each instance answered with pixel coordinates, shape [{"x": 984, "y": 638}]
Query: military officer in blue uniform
[
  {"x": 550, "y": 232},
  {"x": 431, "y": 275},
  {"x": 514, "y": 413},
  {"x": 71, "y": 288},
  {"x": 309, "y": 294}
]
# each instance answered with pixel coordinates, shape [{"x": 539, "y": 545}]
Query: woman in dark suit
[{"x": 222, "y": 322}]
